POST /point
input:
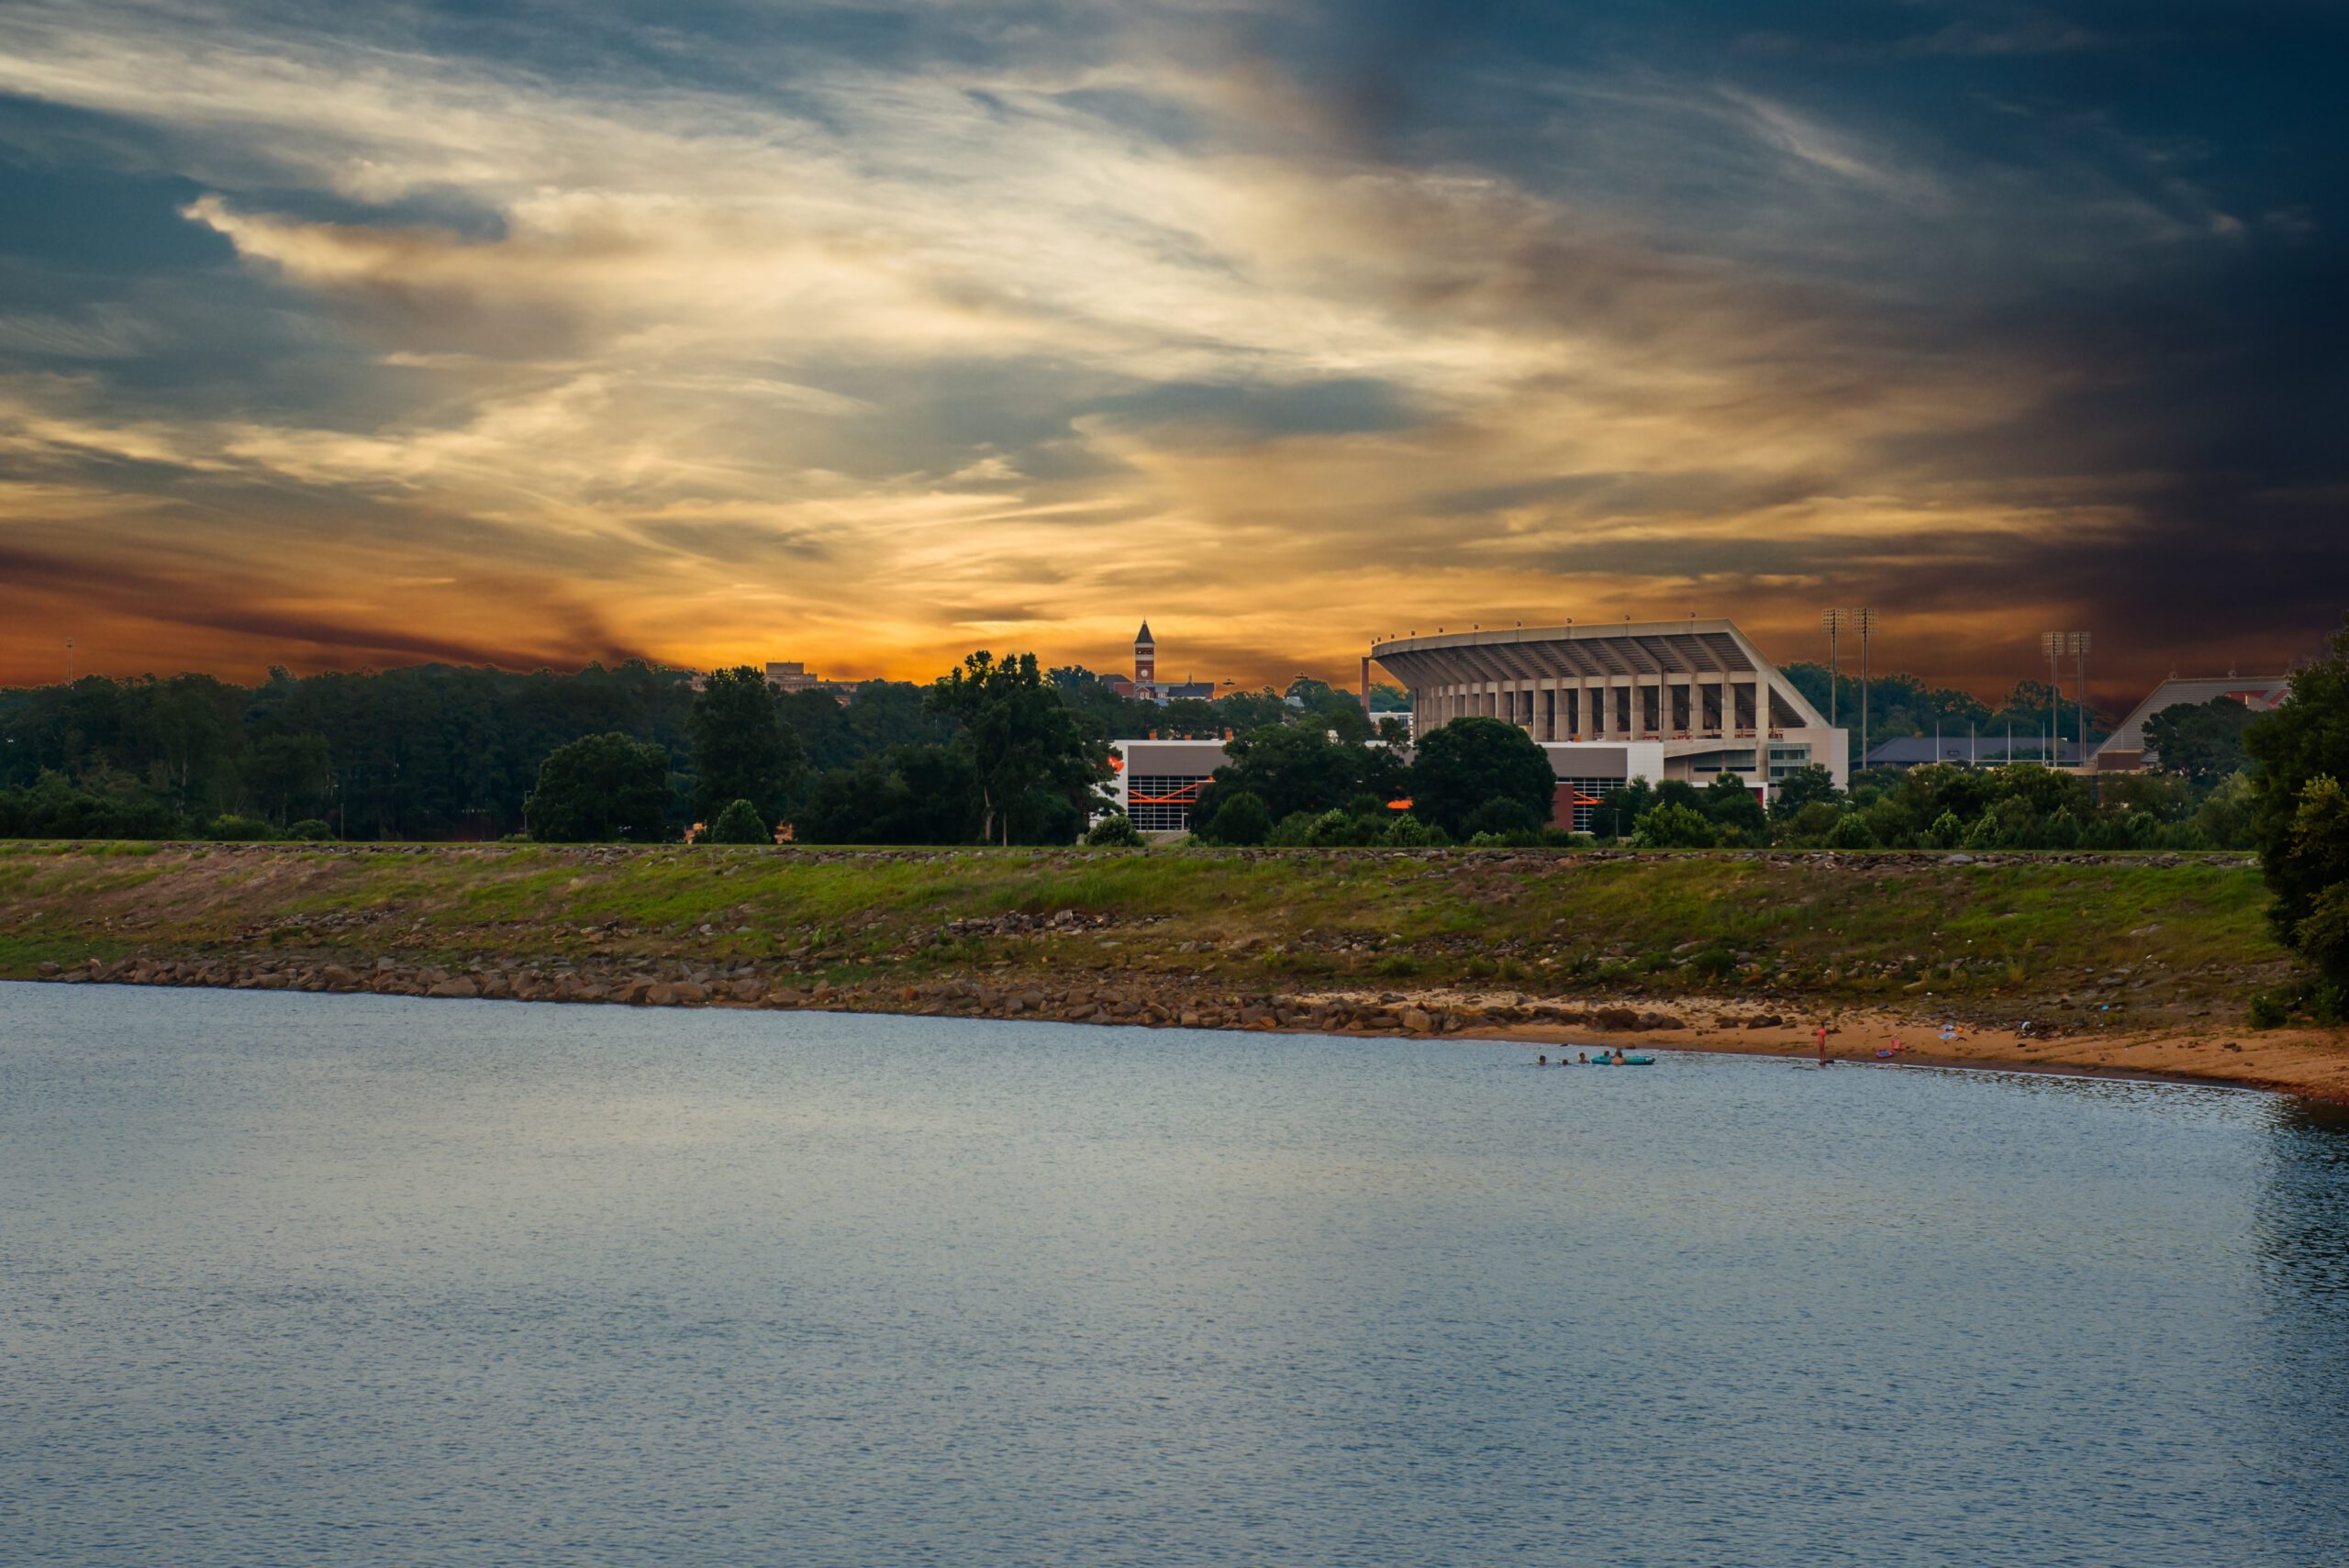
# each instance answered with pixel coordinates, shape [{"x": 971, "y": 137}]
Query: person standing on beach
[{"x": 1822, "y": 1045}]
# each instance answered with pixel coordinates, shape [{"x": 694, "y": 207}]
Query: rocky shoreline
[{"x": 685, "y": 984}]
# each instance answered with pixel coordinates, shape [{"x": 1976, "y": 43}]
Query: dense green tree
[
  {"x": 2319, "y": 852},
  {"x": 1731, "y": 806},
  {"x": 742, "y": 750},
  {"x": 2224, "y": 819},
  {"x": 1620, "y": 810},
  {"x": 599, "y": 788},
  {"x": 2304, "y": 741},
  {"x": 1471, "y": 760},
  {"x": 1291, "y": 768},
  {"x": 288, "y": 774},
  {"x": 2201, "y": 740},
  {"x": 1241, "y": 819},
  {"x": 1811, "y": 825},
  {"x": 1036, "y": 769},
  {"x": 52, "y": 807},
  {"x": 911, "y": 795},
  {"x": 1802, "y": 786}
]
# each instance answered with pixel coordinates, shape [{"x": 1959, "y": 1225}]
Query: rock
[
  {"x": 337, "y": 978},
  {"x": 1417, "y": 1021},
  {"x": 637, "y": 989},
  {"x": 45, "y": 968},
  {"x": 1620, "y": 1018},
  {"x": 458, "y": 986},
  {"x": 747, "y": 990},
  {"x": 689, "y": 992}
]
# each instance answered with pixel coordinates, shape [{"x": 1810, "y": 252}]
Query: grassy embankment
[{"x": 2096, "y": 941}]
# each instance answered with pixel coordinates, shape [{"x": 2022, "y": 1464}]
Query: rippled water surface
[{"x": 291, "y": 1279}]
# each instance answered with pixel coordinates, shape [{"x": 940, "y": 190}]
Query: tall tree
[
  {"x": 2298, "y": 817},
  {"x": 743, "y": 748},
  {"x": 599, "y": 788},
  {"x": 2201, "y": 740},
  {"x": 1026, "y": 748},
  {"x": 1471, "y": 760}
]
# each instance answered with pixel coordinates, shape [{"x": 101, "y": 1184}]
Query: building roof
[
  {"x": 1143, "y": 636},
  {"x": 2258, "y": 693},
  {"x": 1636, "y": 650},
  {"x": 1915, "y": 750}
]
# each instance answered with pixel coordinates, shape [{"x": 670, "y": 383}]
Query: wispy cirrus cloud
[{"x": 809, "y": 338}]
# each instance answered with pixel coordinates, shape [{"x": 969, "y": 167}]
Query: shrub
[
  {"x": 739, "y": 823},
  {"x": 1407, "y": 833},
  {"x": 231, "y": 827},
  {"x": 1115, "y": 831},
  {"x": 1672, "y": 826},
  {"x": 1505, "y": 820},
  {"x": 1849, "y": 833},
  {"x": 1293, "y": 831},
  {"x": 2266, "y": 1012},
  {"x": 1812, "y": 822},
  {"x": 310, "y": 830},
  {"x": 1242, "y": 820},
  {"x": 1946, "y": 833}
]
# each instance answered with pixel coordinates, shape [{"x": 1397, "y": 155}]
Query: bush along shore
[{"x": 2135, "y": 962}]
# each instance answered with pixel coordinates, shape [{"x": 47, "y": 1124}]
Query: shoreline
[{"x": 2307, "y": 1064}]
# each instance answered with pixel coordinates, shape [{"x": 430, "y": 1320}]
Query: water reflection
[{"x": 309, "y": 1279}]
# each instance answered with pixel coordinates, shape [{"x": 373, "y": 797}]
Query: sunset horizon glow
[{"x": 866, "y": 336}]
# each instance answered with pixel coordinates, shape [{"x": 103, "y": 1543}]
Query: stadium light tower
[
  {"x": 2055, "y": 644},
  {"x": 1863, "y": 622},
  {"x": 1833, "y": 621},
  {"x": 2078, "y": 646}
]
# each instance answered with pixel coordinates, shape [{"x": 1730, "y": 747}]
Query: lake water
[{"x": 290, "y": 1279}]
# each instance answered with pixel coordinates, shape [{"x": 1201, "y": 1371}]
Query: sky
[{"x": 866, "y": 334}]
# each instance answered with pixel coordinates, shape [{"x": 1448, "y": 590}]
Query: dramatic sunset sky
[{"x": 867, "y": 334}]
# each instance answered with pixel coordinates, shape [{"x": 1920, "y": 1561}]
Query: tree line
[{"x": 448, "y": 752}]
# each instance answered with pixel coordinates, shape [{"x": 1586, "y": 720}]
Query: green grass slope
[{"x": 2148, "y": 937}]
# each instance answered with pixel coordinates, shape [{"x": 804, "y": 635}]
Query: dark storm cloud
[{"x": 110, "y": 591}]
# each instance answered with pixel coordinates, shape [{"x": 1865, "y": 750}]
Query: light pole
[
  {"x": 2079, "y": 641},
  {"x": 2056, "y": 644},
  {"x": 2052, "y": 644},
  {"x": 1864, "y": 620},
  {"x": 1833, "y": 621}
]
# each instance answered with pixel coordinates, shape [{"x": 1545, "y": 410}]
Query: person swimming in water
[{"x": 1541, "y": 1061}]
